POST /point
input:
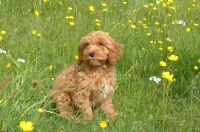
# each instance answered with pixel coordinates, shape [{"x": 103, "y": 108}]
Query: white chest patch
[{"x": 105, "y": 91}]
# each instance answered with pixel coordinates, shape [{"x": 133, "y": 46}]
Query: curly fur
[{"x": 89, "y": 82}]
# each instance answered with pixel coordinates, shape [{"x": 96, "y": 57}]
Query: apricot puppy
[{"x": 89, "y": 82}]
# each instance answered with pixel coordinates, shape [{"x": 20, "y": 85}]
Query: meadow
[{"x": 158, "y": 76}]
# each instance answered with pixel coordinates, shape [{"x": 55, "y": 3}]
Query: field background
[{"x": 145, "y": 27}]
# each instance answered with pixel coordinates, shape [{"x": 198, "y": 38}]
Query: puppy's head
[{"x": 99, "y": 48}]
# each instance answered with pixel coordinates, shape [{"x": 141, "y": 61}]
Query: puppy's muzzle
[{"x": 92, "y": 54}]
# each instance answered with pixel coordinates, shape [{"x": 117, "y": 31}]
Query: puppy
[{"x": 89, "y": 82}]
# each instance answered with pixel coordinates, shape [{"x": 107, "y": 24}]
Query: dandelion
[
  {"x": 2, "y": 51},
  {"x": 76, "y": 57},
  {"x": 173, "y": 57},
  {"x": 170, "y": 48},
  {"x": 8, "y": 65},
  {"x": 50, "y": 67},
  {"x": 3, "y": 32},
  {"x": 21, "y": 60},
  {"x": 103, "y": 4},
  {"x": 103, "y": 124},
  {"x": 168, "y": 76},
  {"x": 71, "y": 23},
  {"x": 196, "y": 68},
  {"x": 91, "y": 8},
  {"x": 26, "y": 126},
  {"x": 187, "y": 29},
  {"x": 133, "y": 26},
  {"x": 162, "y": 63},
  {"x": 34, "y": 32},
  {"x": 40, "y": 110},
  {"x": 36, "y": 13}
]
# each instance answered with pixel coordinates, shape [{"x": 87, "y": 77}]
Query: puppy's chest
[{"x": 97, "y": 86}]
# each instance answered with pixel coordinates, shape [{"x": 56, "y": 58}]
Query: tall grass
[{"x": 143, "y": 26}]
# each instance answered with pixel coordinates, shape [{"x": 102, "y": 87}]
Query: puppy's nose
[{"x": 91, "y": 54}]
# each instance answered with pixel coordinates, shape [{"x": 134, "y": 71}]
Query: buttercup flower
[
  {"x": 160, "y": 48},
  {"x": 133, "y": 26},
  {"x": 71, "y": 23},
  {"x": 103, "y": 124},
  {"x": 8, "y": 65},
  {"x": 1, "y": 37},
  {"x": 34, "y": 32},
  {"x": 3, "y": 32},
  {"x": 70, "y": 8},
  {"x": 198, "y": 60},
  {"x": 91, "y": 8},
  {"x": 50, "y": 67},
  {"x": 0, "y": 101},
  {"x": 98, "y": 24},
  {"x": 125, "y": 3},
  {"x": 187, "y": 29},
  {"x": 76, "y": 57},
  {"x": 40, "y": 110},
  {"x": 196, "y": 68},
  {"x": 162, "y": 63},
  {"x": 36, "y": 13},
  {"x": 39, "y": 34},
  {"x": 26, "y": 126},
  {"x": 129, "y": 75},
  {"x": 69, "y": 17},
  {"x": 157, "y": 23},
  {"x": 167, "y": 76},
  {"x": 170, "y": 48},
  {"x": 168, "y": 39},
  {"x": 173, "y": 57},
  {"x": 46, "y": 1},
  {"x": 103, "y": 4}
]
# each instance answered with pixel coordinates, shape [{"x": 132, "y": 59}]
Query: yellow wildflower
[
  {"x": 3, "y": 32},
  {"x": 60, "y": 3},
  {"x": 103, "y": 4},
  {"x": 146, "y": 6},
  {"x": 198, "y": 60},
  {"x": 105, "y": 10},
  {"x": 134, "y": 11},
  {"x": 34, "y": 32},
  {"x": 98, "y": 24},
  {"x": 173, "y": 57},
  {"x": 168, "y": 40},
  {"x": 97, "y": 20},
  {"x": 8, "y": 65},
  {"x": 0, "y": 101},
  {"x": 148, "y": 34},
  {"x": 69, "y": 17},
  {"x": 50, "y": 67},
  {"x": 69, "y": 8},
  {"x": 26, "y": 126},
  {"x": 154, "y": 8},
  {"x": 162, "y": 63},
  {"x": 187, "y": 29},
  {"x": 196, "y": 25},
  {"x": 36, "y": 13},
  {"x": 129, "y": 75},
  {"x": 103, "y": 124},
  {"x": 167, "y": 76},
  {"x": 1, "y": 38},
  {"x": 157, "y": 23},
  {"x": 40, "y": 110},
  {"x": 196, "y": 68},
  {"x": 76, "y": 57},
  {"x": 45, "y": 1},
  {"x": 71, "y": 23},
  {"x": 170, "y": 48},
  {"x": 133, "y": 26},
  {"x": 91, "y": 8},
  {"x": 125, "y": 3},
  {"x": 39, "y": 34},
  {"x": 160, "y": 48}
]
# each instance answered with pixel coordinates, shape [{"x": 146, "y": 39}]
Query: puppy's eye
[{"x": 101, "y": 44}]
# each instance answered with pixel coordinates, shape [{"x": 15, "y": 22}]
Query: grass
[{"x": 143, "y": 105}]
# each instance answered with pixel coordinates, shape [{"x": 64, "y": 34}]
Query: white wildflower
[
  {"x": 2, "y": 51},
  {"x": 155, "y": 79},
  {"x": 21, "y": 60}
]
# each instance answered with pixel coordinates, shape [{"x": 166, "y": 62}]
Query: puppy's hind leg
[
  {"x": 108, "y": 107},
  {"x": 64, "y": 105}
]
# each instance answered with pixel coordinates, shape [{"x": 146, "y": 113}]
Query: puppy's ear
[{"x": 115, "y": 54}]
